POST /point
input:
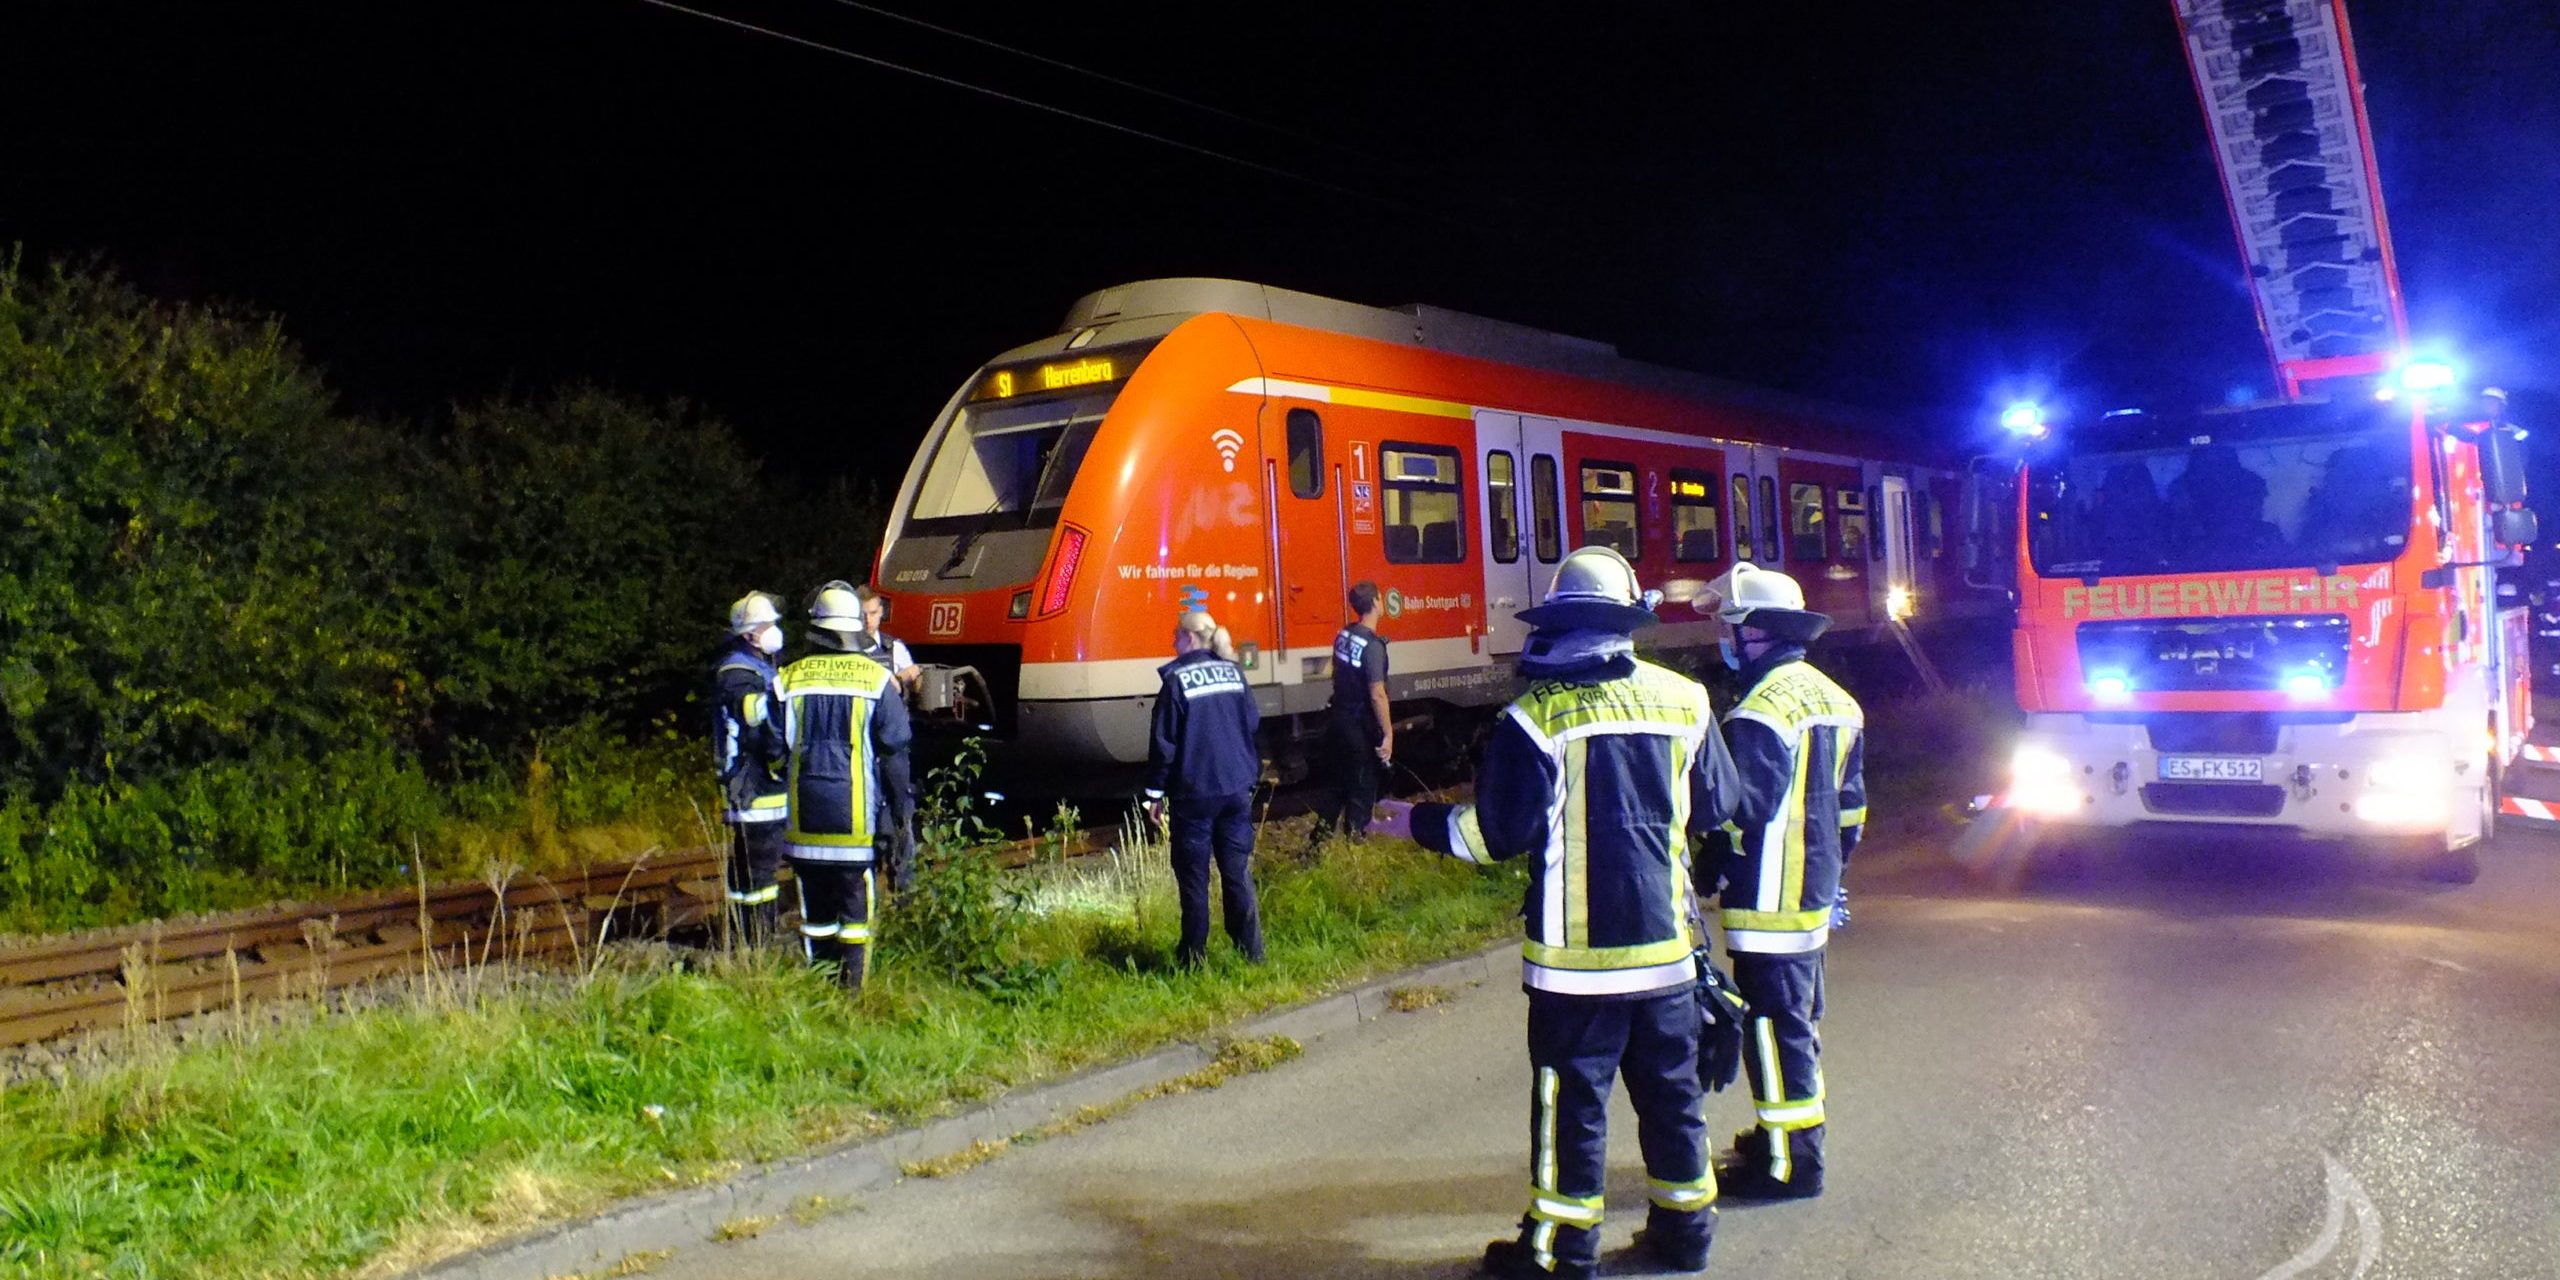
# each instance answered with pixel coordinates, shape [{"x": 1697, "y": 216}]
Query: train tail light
[{"x": 1062, "y": 572}]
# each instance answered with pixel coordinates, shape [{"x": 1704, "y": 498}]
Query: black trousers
[
  {"x": 1782, "y": 1051},
  {"x": 897, "y": 839},
  {"x": 835, "y": 914},
  {"x": 1578, "y": 1045},
  {"x": 1355, "y": 776},
  {"x": 1219, "y": 826},
  {"x": 755, "y": 899}
]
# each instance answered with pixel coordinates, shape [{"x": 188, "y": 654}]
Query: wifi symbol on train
[{"x": 1229, "y": 445}]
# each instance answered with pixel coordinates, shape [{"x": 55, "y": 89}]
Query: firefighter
[
  {"x": 1797, "y": 739},
  {"x": 897, "y": 844},
  {"x": 841, "y": 717},
  {"x": 1605, "y": 773},
  {"x": 1360, "y": 739},
  {"x": 747, "y": 739},
  {"x": 1203, "y": 752}
]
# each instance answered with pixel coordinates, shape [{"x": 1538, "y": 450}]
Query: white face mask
[
  {"x": 1732, "y": 656},
  {"x": 769, "y": 640}
]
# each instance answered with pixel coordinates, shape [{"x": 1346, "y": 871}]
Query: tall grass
[{"x": 365, "y": 1143}]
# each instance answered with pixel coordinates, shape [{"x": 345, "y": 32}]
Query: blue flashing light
[
  {"x": 2426, "y": 375},
  {"x": 2306, "y": 684},
  {"x": 2025, "y": 417},
  {"x": 2110, "y": 684}
]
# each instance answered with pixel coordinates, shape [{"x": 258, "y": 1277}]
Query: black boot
[
  {"x": 1678, "y": 1245},
  {"x": 1514, "y": 1260},
  {"x": 854, "y": 963},
  {"x": 1746, "y": 1171}
]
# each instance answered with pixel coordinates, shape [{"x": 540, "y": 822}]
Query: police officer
[
  {"x": 841, "y": 715},
  {"x": 897, "y": 844},
  {"x": 1797, "y": 739},
  {"x": 1605, "y": 773},
  {"x": 1203, "y": 752},
  {"x": 747, "y": 741},
  {"x": 1361, "y": 737}
]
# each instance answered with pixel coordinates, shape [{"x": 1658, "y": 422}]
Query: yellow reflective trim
[
  {"x": 1684, "y": 1195},
  {"x": 1777, "y": 921},
  {"x": 1545, "y": 1164},
  {"x": 1639, "y": 956},
  {"x": 1470, "y": 844},
  {"x": 754, "y": 705},
  {"x": 1564, "y": 1210},
  {"x": 1791, "y": 880},
  {"x": 1577, "y": 847},
  {"x": 1853, "y": 817},
  {"x": 775, "y": 801},
  {"x": 1363, "y": 399}
]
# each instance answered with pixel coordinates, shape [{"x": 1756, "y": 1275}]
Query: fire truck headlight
[
  {"x": 2413, "y": 791},
  {"x": 2411, "y": 774},
  {"x": 2040, "y": 782}
]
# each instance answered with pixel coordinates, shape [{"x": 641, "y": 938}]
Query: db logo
[{"x": 945, "y": 620}]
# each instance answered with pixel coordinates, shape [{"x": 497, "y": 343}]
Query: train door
[
  {"x": 1900, "y": 547},
  {"x": 1307, "y": 534},
  {"x": 1542, "y": 450},
  {"x": 1741, "y": 535},
  {"x": 1509, "y": 586}
]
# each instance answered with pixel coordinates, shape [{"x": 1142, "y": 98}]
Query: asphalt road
[{"x": 2210, "y": 1061}]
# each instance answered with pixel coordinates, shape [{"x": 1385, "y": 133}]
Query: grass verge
[{"x": 370, "y": 1143}]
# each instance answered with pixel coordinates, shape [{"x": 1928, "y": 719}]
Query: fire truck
[{"x": 2284, "y": 616}]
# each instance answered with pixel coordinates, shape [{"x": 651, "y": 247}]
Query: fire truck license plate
[{"x": 2209, "y": 768}]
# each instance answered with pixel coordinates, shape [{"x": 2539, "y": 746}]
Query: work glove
[
  {"x": 1392, "y": 818},
  {"x": 1840, "y": 908},
  {"x": 1720, "y": 1014}
]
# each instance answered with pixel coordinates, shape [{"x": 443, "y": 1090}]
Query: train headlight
[{"x": 2040, "y": 782}]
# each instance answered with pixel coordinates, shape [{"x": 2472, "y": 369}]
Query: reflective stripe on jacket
[
  {"x": 746, "y": 736},
  {"x": 1610, "y": 779},
  {"x": 1797, "y": 740},
  {"x": 841, "y": 713}
]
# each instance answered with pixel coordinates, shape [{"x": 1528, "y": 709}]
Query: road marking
[{"x": 2345, "y": 1193}]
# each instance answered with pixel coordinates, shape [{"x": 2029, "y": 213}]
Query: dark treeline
[{"x": 252, "y": 645}]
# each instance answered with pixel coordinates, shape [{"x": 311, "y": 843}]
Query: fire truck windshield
[{"x": 2291, "y": 486}]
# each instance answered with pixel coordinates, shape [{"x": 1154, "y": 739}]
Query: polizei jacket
[
  {"x": 746, "y": 736},
  {"x": 1609, "y": 777},
  {"x": 1205, "y": 722},
  {"x": 841, "y": 713},
  {"x": 1797, "y": 739}
]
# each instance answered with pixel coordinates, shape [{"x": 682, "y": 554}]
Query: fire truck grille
[
  {"x": 2258, "y": 654},
  {"x": 2213, "y": 799}
]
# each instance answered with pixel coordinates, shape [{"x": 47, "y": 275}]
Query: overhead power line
[
  {"x": 1060, "y": 63},
  {"x": 1036, "y": 105}
]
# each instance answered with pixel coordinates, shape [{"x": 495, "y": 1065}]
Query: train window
[
  {"x": 1849, "y": 509},
  {"x": 1694, "y": 532},
  {"x": 1769, "y": 545},
  {"x": 1502, "y": 505},
  {"x": 1306, "y": 453},
  {"x": 1545, "y": 508},
  {"x": 1742, "y": 517},
  {"x": 1609, "y": 507},
  {"x": 1008, "y": 459},
  {"x": 1937, "y": 525},
  {"x": 1808, "y": 540},
  {"x": 1425, "y": 512}
]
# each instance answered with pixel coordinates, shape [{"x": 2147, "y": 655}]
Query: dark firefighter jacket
[
  {"x": 746, "y": 735},
  {"x": 1610, "y": 894},
  {"x": 841, "y": 714},
  {"x": 1797, "y": 740},
  {"x": 1205, "y": 722}
]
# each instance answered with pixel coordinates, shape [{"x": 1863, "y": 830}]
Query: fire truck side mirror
[
  {"x": 2502, "y": 466},
  {"x": 1984, "y": 517},
  {"x": 2514, "y": 527}
]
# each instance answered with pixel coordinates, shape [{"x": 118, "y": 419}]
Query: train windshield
[
  {"x": 2292, "y": 486},
  {"x": 1012, "y": 449}
]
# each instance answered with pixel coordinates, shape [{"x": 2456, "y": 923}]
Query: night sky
[{"x": 1917, "y": 207}]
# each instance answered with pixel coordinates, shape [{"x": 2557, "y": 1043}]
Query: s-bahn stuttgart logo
[{"x": 944, "y": 620}]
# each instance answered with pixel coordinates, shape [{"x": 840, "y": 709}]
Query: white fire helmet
[
  {"x": 1767, "y": 600},
  {"x": 1594, "y": 589},
  {"x": 753, "y": 610},
  {"x": 835, "y": 607}
]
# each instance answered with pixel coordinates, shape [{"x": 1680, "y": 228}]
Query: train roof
[{"x": 1146, "y": 308}]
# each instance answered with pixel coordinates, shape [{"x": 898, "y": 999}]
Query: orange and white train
[{"x": 1198, "y": 443}]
